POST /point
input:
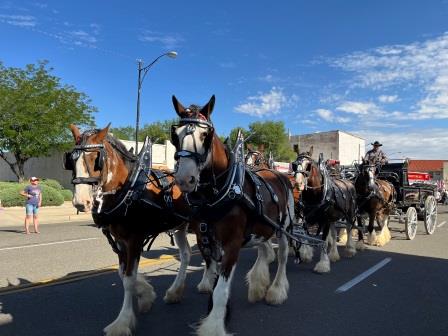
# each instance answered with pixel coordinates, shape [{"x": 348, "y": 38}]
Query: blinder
[
  {"x": 191, "y": 125},
  {"x": 69, "y": 161}
]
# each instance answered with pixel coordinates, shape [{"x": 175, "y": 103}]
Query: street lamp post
[{"x": 142, "y": 71}]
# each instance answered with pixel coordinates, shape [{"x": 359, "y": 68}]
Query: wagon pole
[{"x": 142, "y": 71}]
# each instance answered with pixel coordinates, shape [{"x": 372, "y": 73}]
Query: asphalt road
[{"x": 407, "y": 296}]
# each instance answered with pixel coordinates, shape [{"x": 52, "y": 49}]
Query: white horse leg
[
  {"x": 306, "y": 253},
  {"x": 350, "y": 247},
  {"x": 208, "y": 278},
  {"x": 213, "y": 324},
  {"x": 271, "y": 252},
  {"x": 323, "y": 266},
  {"x": 334, "y": 254},
  {"x": 258, "y": 277},
  {"x": 174, "y": 293},
  {"x": 145, "y": 294},
  {"x": 384, "y": 236},
  {"x": 125, "y": 323},
  {"x": 278, "y": 291}
]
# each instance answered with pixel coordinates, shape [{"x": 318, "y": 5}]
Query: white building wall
[{"x": 351, "y": 148}]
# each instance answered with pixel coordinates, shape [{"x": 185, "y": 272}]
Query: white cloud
[
  {"x": 325, "y": 114},
  {"x": 357, "y": 107},
  {"x": 80, "y": 37},
  {"x": 419, "y": 144},
  {"x": 422, "y": 65},
  {"x": 19, "y": 20},
  {"x": 265, "y": 104},
  {"x": 329, "y": 116},
  {"x": 168, "y": 40},
  {"x": 387, "y": 99}
]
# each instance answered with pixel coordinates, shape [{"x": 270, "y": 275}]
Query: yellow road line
[{"x": 82, "y": 275}]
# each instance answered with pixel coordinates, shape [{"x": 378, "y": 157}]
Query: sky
[{"x": 378, "y": 69}]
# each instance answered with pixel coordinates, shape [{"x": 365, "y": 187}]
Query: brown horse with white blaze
[
  {"x": 237, "y": 208},
  {"x": 375, "y": 198},
  {"x": 130, "y": 205}
]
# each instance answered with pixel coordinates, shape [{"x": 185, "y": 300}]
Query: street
[{"x": 405, "y": 295}]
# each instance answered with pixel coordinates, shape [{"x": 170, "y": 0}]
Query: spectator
[{"x": 33, "y": 194}]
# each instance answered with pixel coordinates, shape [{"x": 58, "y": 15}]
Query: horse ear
[
  {"x": 75, "y": 131},
  {"x": 180, "y": 110},
  {"x": 208, "y": 108},
  {"x": 261, "y": 148},
  {"x": 250, "y": 147},
  {"x": 296, "y": 148},
  {"x": 102, "y": 134},
  {"x": 311, "y": 150}
]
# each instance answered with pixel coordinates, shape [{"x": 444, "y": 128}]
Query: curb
[{"x": 76, "y": 277}]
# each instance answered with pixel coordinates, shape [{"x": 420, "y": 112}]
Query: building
[
  {"x": 336, "y": 145},
  {"x": 438, "y": 169}
]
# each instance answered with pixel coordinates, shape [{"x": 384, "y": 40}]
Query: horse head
[
  {"x": 192, "y": 138},
  {"x": 367, "y": 172},
  {"x": 302, "y": 168},
  {"x": 94, "y": 164}
]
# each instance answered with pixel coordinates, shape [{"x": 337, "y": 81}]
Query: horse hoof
[
  {"x": 205, "y": 288},
  {"x": 334, "y": 256},
  {"x": 174, "y": 296},
  {"x": 360, "y": 246},
  {"x": 118, "y": 328},
  {"x": 350, "y": 252},
  {"x": 322, "y": 267},
  {"x": 276, "y": 295},
  {"x": 306, "y": 254}
]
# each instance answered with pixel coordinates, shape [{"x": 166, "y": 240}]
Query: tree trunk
[{"x": 17, "y": 167}]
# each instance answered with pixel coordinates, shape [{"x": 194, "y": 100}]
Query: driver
[{"x": 376, "y": 155}]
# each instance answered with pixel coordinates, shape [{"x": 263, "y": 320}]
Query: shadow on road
[{"x": 406, "y": 297}]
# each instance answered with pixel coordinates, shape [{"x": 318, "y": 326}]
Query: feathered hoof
[
  {"x": 204, "y": 287},
  {"x": 334, "y": 255},
  {"x": 381, "y": 240},
  {"x": 145, "y": 295},
  {"x": 350, "y": 252},
  {"x": 343, "y": 236},
  {"x": 372, "y": 238},
  {"x": 306, "y": 253},
  {"x": 360, "y": 246},
  {"x": 174, "y": 295},
  {"x": 276, "y": 295},
  {"x": 120, "y": 328},
  {"x": 212, "y": 327},
  {"x": 256, "y": 293},
  {"x": 322, "y": 267}
]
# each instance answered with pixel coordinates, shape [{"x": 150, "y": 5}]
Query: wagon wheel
[
  {"x": 411, "y": 223},
  {"x": 430, "y": 214}
]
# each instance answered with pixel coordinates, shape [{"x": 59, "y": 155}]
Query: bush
[
  {"x": 51, "y": 183},
  {"x": 10, "y": 195},
  {"x": 67, "y": 194}
]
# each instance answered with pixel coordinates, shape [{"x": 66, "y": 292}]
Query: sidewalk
[{"x": 14, "y": 216}]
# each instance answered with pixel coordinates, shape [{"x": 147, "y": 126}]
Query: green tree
[
  {"x": 35, "y": 111},
  {"x": 123, "y": 133},
  {"x": 158, "y": 131},
  {"x": 272, "y": 135}
]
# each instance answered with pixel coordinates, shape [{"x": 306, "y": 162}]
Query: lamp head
[{"x": 172, "y": 54}]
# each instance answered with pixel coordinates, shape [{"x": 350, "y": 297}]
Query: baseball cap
[{"x": 34, "y": 178}]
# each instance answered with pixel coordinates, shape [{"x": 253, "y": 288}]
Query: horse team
[{"x": 225, "y": 203}]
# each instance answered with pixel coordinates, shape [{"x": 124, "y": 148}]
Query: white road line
[
  {"x": 345, "y": 287},
  {"x": 441, "y": 224},
  {"x": 46, "y": 244}
]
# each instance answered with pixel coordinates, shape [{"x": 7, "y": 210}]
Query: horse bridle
[
  {"x": 259, "y": 156},
  {"x": 191, "y": 124},
  {"x": 70, "y": 159}
]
